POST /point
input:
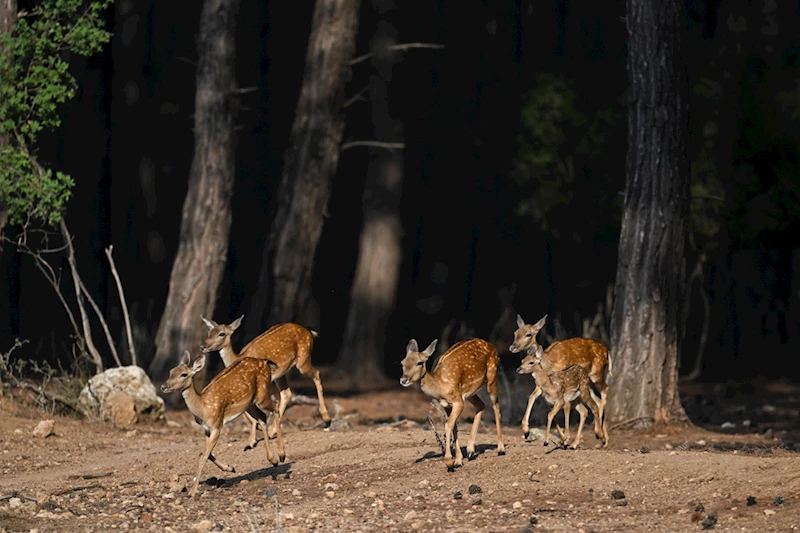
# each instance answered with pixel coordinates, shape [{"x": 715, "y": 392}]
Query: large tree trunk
[
  {"x": 8, "y": 16},
  {"x": 206, "y": 220},
  {"x": 645, "y": 323},
  {"x": 372, "y": 297},
  {"x": 309, "y": 166}
]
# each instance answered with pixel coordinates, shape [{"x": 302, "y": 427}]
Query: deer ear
[
  {"x": 431, "y": 347},
  {"x": 186, "y": 358},
  {"x": 539, "y": 352},
  {"x": 540, "y": 324},
  {"x": 210, "y": 324},
  {"x": 273, "y": 366},
  {"x": 198, "y": 365},
  {"x": 412, "y": 346},
  {"x": 520, "y": 322},
  {"x": 236, "y": 323}
]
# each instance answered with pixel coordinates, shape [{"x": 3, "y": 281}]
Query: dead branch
[
  {"x": 435, "y": 433},
  {"x": 353, "y": 99},
  {"x": 76, "y": 489},
  {"x": 697, "y": 274},
  {"x": 103, "y": 323},
  {"x": 55, "y": 398},
  {"x": 396, "y": 48},
  {"x": 76, "y": 280},
  {"x": 125, "y": 314},
  {"x": 17, "y": 494},
  {"x": 375, "y": 144}
]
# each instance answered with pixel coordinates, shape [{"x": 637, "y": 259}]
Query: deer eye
[
  {"x": 222, "y": 334},
  {"x": 528, "y": 335},
  {"x": 184, "y": 375},
  {"x": 419, "y": 363}
]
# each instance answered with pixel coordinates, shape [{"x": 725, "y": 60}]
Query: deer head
[
  {"x": 180, "y": 377},
  {"x": 218, "y": 334},
  {"x": 414, "y": 362},
  {"x": 525, "y": 335},
  {"x": 528, "y": 363}
]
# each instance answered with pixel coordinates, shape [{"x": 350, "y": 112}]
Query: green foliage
[
  {"x": 34, "y": 81},
  {"x": 557, "y": 168}
]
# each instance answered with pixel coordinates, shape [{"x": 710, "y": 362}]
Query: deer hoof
[
  {"x": 546, "y": 443},
  {"x": 282, "y": 457},
  {"x": 501, "y": 452},
  {"x": 327, "y": 423}
]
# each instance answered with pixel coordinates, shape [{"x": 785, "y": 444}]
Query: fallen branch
[
  {"x": 396, "y": 48},
  {"x": 435, "y": 433},
  {"x": 631, "y": 421},
  {"x": 90, "y": 476},
  {"x": 76, "y": 489},
  {"x": 17, "y": 494},
  {"x": 125, "y": 315},
  {"x": 375, "y": 144}
]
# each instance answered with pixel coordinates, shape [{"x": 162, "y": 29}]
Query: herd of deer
[{"x": 569, "y": 370}]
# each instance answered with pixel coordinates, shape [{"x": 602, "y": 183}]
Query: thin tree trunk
[
  {"x": 309, "y": 167},
  {"x": 8, "y": 16},
  {"x": 205, "y": 224},
  {"x": 645, "y": 323},
  {"x": 372, "y": 297}
]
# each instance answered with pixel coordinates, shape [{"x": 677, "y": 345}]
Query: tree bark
[
  {"x": 372, "y": 297},
  {"x": 206, "y": 220},
  {"x": 8, "y": 16},
  {"x": 309, "y": 167},
  {"x": 645, "y": 323}
]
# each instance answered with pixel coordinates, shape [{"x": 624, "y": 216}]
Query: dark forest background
[{"x": 513, "y": 173}]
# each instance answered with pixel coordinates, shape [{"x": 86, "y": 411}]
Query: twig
[
  {"x": 435, "y": 433},
  {"x": 125, "y": 315},
  {"x": 103, "y": 323},
  {"x": 630, "y": 421},
  {"x": 47, "y": 395},
  {"x": 17, "y": 494},
  {"x": 375, "y": 144},
  {"x": 396, "y": 48},
  {"x": 353, "y": 99},
  {"x": 76, "y": 280},
  {"x": 76, "y": 489},
  {"x": 90, "y": 476}
]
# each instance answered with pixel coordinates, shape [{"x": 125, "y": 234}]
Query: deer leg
[
  {"x": 305, "y": 368},
  {"x": 455, "y": 412},
  {"x": 479, "y": 408},
  {"x": 211, "y": 441},
  {"x": 491, "y": 388},
  {"x": 582, "y": 411},
  {"x": 591, "y": 400},
  {"x": 532, "y": 398},
  {"x": 253, "y": 440},
  {"x": 285, "y": 397},
  {"x": 556, "y": 408},
  {"x": 222, "y": 466},
  {"x": 567, "y": 407}
]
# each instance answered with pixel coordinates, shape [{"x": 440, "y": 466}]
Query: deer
[
  {"x": 463, "y": 370},
  {"x": 560, "y": 389},
  {"x": 225, "y": 398},
  {"x": 587, "y": 353},
  {"x": 287, "y": 345}
]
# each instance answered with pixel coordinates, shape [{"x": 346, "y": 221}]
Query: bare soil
[{"x": 373, "y": 471}]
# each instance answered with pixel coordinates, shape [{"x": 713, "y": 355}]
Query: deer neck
[
  {"x": 431, "y": 386},
  {"x": 193, "y": 400},
  {"x": 541, "y": 377},
  {"x": 228, "y": 354}
]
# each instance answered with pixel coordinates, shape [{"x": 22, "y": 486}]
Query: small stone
[
  {"x": 173, "y": 424},
  {"x": 147, "y": 517},
  {"x": 295, "y": 492},
  {"x": 203, "y": 525},
  {"x": 516, "y": 505},
  {"x": 668, "y": 446},
  {"x": 424, "y": 484},
  {"x": 287, "y": 516},
  {"x": 769, "y": 408},
  {"x": 728, "y": 425},
  {"x": 533, "y": 520},
  {"x": 331, "y": 487},
  {"x": 778, "y": 501},
  {"x": 411, "y": 515},
  {"x": 458, "y": 495},
  {"x": 769, "y": 512},
  {"x": 474, "y": 489},
  {"x": 746, "y": 423},
  {"x": 701, "y": 442},
  {"x": 44, "y": 429},
  {"x": 552, "y": 467},
  {"x": 329, "y": 478},
  {"x": 360, "y": 485},
  {"x": 477, "y": 501},
  {"x": 621, "y": 503},
  {"x": 330, "y": 494},
  {"x": 617, "y": 495},
  {"x": 751, "y": 500},
  {"x": 14, "y": 503},
  {"x": 379, "y": 505},
  {"x": 270, "y": 492},
  {"x": 217, "y": 527},
  {"x": 178, "y": 486},
  {"x": 709, "y": 521}
]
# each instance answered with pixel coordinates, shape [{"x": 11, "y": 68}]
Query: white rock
[
  {"x": 132, "y": 394},
  {"x": 44, "y": 429}
]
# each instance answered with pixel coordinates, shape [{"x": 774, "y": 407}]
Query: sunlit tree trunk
[
  {"x": 645, "y": 323},
  {"x": 309, "y": 167},
  {"x": 8, "y": 15},
  {"x": 206, "y": 220},
  {"x": 372, "y": 297}
]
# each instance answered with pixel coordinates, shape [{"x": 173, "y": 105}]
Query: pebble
[
  {"x": 411, "y": 515},
  {"x": 44, "y": 429},
  {"x": 474, "y": 489},
  {"x": 424, "y": 484},
  {"x": 295, "y": 492},
  {"x": 370, "y": 494},
  {"x": 769, "y": 512},
  {"x": 330, "y": 494},
  {"x": 14, "y": 503},
  {"x": 331, "y": 487},
  {"x": 617, "y": 495},
  {"x": 329, "y": 477},
  {"x": 203, "y": 525},
  {"x": 517, "y": 505}
]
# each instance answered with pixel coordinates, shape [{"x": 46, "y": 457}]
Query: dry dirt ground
[{"x": 368, "y": 474}]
